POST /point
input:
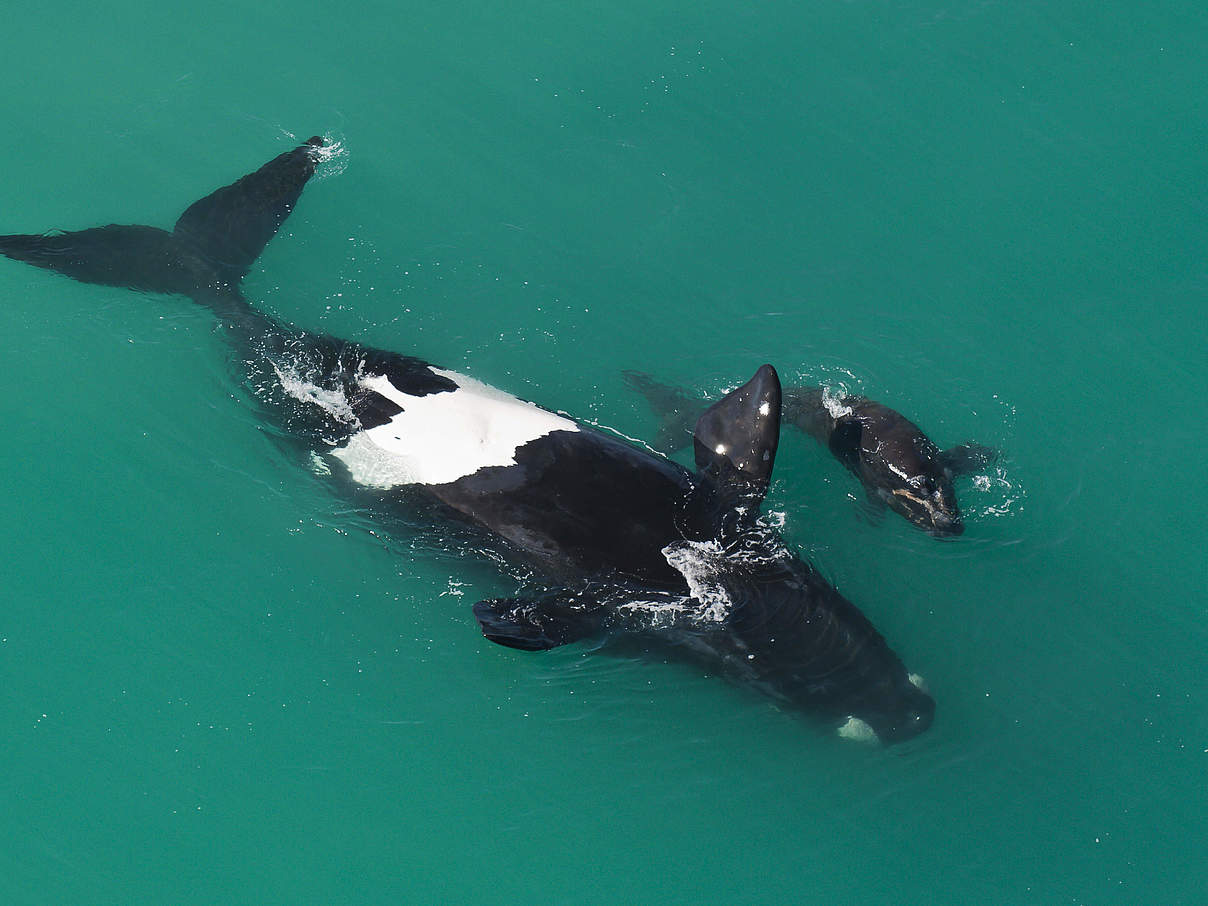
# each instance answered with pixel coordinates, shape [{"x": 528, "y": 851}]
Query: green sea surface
[{"x": 221, "y": 683}]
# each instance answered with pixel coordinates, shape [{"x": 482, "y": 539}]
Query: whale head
[
  {"x": 910, "y": 475},
  {"x": 902, "y": 712},
  {"x": 927, "y": 498},
  {"x": 770, "y": 621}
]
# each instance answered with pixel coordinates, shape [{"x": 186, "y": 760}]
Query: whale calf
[
  {"x": 626, "y": 543},
  {"x": 898, "y": 465}
]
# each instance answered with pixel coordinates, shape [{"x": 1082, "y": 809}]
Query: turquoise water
[{"x": 220, "y": 686}]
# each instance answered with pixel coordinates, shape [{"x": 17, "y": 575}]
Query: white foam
[
  {"x": 774, "y": 520},
  {"x": 656, "y": 614},
  {"x": 441, "y": 437},
  {"x": 333, "y": 402},
  {"x": 700, "y": 563},
  {"x": 1010, "y": 494},
  {"x": 834, "y": 404},
  {"x": 332, "y": 158},
  {"x": 318, "y": 464}
]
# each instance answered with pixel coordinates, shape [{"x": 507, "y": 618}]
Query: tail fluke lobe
[
  {"x": 229, "y": 228},
  {"x": 136, "y": 257},
  {"x": 213, "y": 246}
]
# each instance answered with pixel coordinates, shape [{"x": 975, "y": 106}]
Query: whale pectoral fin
[
  {"x": 676, "y": 410},
  {"x": 540, "y": 623},
  {"x": 735, "y": 440},
  {"x": 872, "y": 508},
  {"x": 845, "y": 440},
  {"x": 661, "y": 397},
  {"x": 231, "y": 226},
  {"x": 966, "y": 459}
]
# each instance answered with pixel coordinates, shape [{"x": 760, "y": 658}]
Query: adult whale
[
  {"x": 627, "y": 542},
  {"x": 898, "y": 465}
]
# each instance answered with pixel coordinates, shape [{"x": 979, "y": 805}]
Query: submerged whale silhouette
[
  {"x": 629, "y": 543},
  {"x": 898, "y": 465}
]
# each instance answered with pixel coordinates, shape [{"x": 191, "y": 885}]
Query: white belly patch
[{"x": 442, "y": 437}]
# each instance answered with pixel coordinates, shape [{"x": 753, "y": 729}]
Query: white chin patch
[
  {"x": 441, "y": 437},
  {"x": 918, "y": 682},
  {"x": 858, "y": 730}
]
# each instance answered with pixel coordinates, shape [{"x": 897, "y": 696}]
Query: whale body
[{"x": 625, "y": 542}]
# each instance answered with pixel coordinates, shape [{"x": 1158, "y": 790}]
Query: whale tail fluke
[{"x": 212, "y": 247}]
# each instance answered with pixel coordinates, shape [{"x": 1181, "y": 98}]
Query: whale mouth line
[{"x": 940, "y": 518}]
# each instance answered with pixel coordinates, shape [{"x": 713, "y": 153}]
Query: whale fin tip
[{"x": 735, "y": 440}]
